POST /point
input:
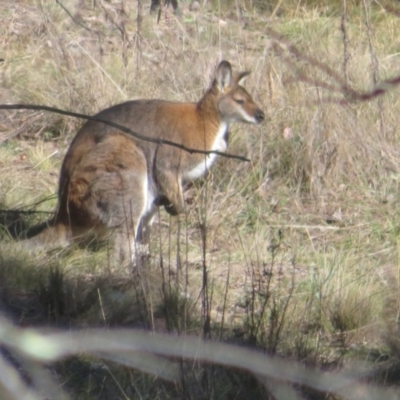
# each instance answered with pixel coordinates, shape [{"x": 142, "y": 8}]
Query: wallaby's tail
[
  {"x": 48, "y": 234},
  {"x": 38, "y": 229}
]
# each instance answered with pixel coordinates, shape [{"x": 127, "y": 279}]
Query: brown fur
[{"x": 102, "y": 186}]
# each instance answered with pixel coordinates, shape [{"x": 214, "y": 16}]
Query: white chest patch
[{"x": 208, "y": 160}]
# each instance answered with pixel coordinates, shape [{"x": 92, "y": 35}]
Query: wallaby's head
[{"x": 233, "y": 101}]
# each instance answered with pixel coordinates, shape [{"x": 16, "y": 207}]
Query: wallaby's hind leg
[
  {"x": 118, "y": 201},
  {"x": 108, "y": 192},
  {"x": 143, "y": 231},
  {"x": 130, "y": 244},
  {"x": 122, "y": 241}
]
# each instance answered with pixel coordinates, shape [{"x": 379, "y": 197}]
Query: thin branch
[
  {"x": 374, "y": 61},
  {"x": 73, "y": 18},
  {"x": 308, "y": 59},
  {"x": 119, "y": 127},
  {"x": 343, "y": 28},
  {"x": 391, "y": 9},
  {"x": 339, "y": 84},
  {"x": 120, "y": 28}
]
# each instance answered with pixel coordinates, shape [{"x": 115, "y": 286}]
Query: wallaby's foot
[
  {"x": 141, "y": 251},
  {"x": 169, "y": 207},
  {"x": 132, "y": 267}
]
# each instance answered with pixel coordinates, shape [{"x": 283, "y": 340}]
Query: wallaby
[{"x": 112, "y": 182}]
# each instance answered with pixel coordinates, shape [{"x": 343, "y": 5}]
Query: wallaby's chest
[{"x": 219, "y": 144}]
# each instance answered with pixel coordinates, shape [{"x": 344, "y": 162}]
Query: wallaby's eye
[{"x": 239, "y": 101}]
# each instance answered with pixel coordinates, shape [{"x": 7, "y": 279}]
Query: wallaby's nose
[{"x": 260, "y": 116}]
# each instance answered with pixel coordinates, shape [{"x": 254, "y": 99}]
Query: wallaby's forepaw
[
  {"x": 168, "y": 206},
  {"x": 171, "y": 210}
]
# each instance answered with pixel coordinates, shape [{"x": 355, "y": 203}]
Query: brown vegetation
[{"x": 295, "y": 253}]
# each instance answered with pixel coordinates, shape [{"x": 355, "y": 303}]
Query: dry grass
[{"x": 301, "y": 244}]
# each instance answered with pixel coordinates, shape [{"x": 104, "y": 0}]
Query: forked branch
[{"x": 338, "y": 84}]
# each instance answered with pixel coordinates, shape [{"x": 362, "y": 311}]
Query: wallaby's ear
[
  {"x": 223, "y": 75},
  {"x": 240, "y": 77}
]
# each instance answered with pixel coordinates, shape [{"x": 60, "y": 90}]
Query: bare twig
[
  {"x": 138, "y": 34},
  {"x": 119, "y": 127},
  {"x": 25, "y": 212},
  {"x": 374, "y": 61},
  {"x": 374, "y": 58},
  {"x": 120, "y": 26},
  {"x": 308, "y": 59},
  {"x": 18, "y": 130},
  {"x": 73, "y": 18},
  {"x": 391, "y": 9},
  {"x": 343, "y": 28}
]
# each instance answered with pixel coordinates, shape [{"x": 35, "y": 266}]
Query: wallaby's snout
[{"x": 259, "y": 116}]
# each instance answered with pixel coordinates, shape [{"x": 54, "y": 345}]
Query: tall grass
[{"x": 294, "y": 253}]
